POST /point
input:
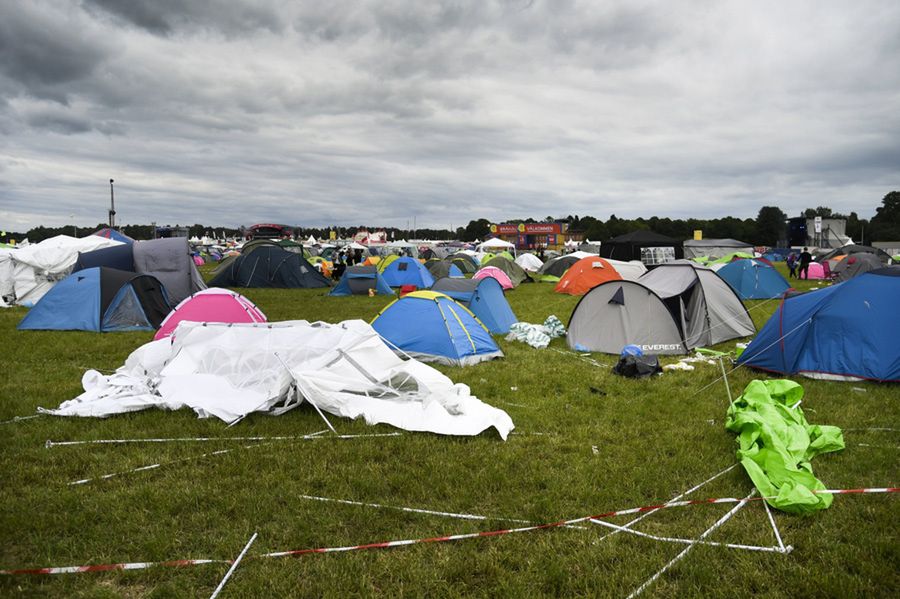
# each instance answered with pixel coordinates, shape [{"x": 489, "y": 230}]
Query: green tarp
[{"x": 776, "y": 444}]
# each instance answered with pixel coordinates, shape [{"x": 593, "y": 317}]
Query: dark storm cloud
[
  {"x": 163, "y": 17},
  {"x": 42, "y": 49}
]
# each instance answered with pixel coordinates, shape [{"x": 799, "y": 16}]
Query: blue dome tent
[
  {"x": 753, "y": 279},
  {"x": 407, "y": 271},
  {"x": 432, "y": 327},
  {"x": 484, "y": 297},
  {"x": 101, "y": 299},
  {"x": 357, "y": 280},
  {"x": 846, "y": 331}
]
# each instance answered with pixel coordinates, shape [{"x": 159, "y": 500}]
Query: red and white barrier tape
[{"x": 405, "y": 542}]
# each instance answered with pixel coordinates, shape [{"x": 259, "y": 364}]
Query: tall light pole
[{"x": 112, "y": 206}]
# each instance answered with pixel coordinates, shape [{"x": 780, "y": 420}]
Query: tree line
[{"x": 768, "y": 228}]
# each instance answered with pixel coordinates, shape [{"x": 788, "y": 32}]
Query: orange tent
[{"x": 586, "y": 274}]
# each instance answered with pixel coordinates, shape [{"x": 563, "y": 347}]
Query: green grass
[{"x": 654, "y": 439}]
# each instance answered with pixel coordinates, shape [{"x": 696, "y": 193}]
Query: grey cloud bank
[{"x": 375, "y": 112}]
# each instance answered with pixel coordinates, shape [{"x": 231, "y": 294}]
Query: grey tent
[
  {"x": 670, "y": 310},
  {"x": 555, "y": 268},
  {"x": 515, "y": 272},
  {"x": 443, "y": 268},
  {"x": 715, "y": 248},
  {"x": 849, "y": 250},
  {"x": 170, "y": 261},
  {"x": 856, "y": 264}
]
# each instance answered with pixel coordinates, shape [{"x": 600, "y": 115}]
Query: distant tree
[
  {"x": 770, "y": 225},
  {"x": 477, "y": 229},
  {"x": 885, "y": 225}
]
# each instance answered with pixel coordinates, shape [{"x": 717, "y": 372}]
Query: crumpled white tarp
[
  {"x": 537, "y": 336},
  {"x": 39, "y": 266},
  {"x": 229, "y": 371}
]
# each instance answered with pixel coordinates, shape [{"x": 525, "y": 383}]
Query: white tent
[
  {"x": 630, "y": 270},
  {"x": 311, "y": 240},
  {"x": 39, "y": 266},
  {"x": 495, "y": 244},
  {"x": 529, "y": 262},
  {"x": 6, "y": 276},
  {"x": 229, "y": 371}
]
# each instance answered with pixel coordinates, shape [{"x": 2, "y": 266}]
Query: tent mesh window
[
  {"x": 126, "y": 313},
  {"x": 402, "y": 266}
]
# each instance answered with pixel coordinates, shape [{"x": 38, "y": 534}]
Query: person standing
[
  {"x": 792, "y": 265},
  {"x": 805, "y": 259}
]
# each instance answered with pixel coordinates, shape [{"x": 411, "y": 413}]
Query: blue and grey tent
[
  {"x": 846, "y": 331},
  {"x": 357, "y": 280},
  {"x": 432, "y": 327},
  {"x": 100, "y": 299},
  {"x": 753, "y": 279},
  {"x": 407, "y": 271},
  {"x": 484, "y": 297}
]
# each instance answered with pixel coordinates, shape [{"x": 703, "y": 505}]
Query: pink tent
[
  {"x": 816, "y": 271},
  {"x": 495, "y": 273},
  {"x": 211, "y": 305},
  {"x": 198, "y": 260}
]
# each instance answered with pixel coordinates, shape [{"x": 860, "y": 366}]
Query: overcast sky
[{"x": 348, "y": 112}]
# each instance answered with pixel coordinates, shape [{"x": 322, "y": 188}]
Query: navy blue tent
[
  {"x": 120, "y": 257},
  {"x": 753, "y": 279},
  {"x": 846, "y": 330},
  {"x": 484, "y": 297},
  {"x": 359, "y": 279},
  {"x": 270, "y": 266},
  {"x": 101, "y": 299}
]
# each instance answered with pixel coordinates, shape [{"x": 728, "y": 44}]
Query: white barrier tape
[
  {"x": 317, "y": 435},
  {"x": 233, "y": 567},
  {"x": 687, "y": 549},
  {"x": 482, "y": 534}
]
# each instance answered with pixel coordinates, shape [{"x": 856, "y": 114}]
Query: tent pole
[
  {"x": 725, "y": 376},
  {"x": 290, "y": 372}
]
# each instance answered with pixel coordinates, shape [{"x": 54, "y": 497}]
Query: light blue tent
[
  {"x": 484, "y": 297},
  {"x": 432, "y": 327},
  {"x": 357, "y": 280},
  {"x": 753, "y": 279},
  {"x": 100, "y": 299},
  {"x": 407, "y": 271}
]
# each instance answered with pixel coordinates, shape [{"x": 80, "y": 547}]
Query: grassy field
[{"x": 605, "y": 443}]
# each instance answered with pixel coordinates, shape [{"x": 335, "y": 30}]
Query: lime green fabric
[
  {"x": 776, "y": 444},
  {"x": 729, "y": 257}
]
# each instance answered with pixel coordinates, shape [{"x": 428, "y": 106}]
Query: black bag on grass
[{"x": 637, "y": 367}]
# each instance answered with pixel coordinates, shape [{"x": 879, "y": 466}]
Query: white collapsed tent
[
  {"x": 230, "y": 371},
  {"x": 6, "y": 276},
  {"x": 39, "y": 266},
  {"x": 630, "y": 270}
]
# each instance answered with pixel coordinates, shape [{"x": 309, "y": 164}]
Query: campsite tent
[
  {"x": 407, "y": 271},
  {"x": 495, "y": 273},
  {"x": 586, "y": 274},
  {"x": 648, "y": 247},
  {"x": 816, "y": 271},
  {"x": 211, "y": 305},
  {"x": 843, "y": 331},
  {"x": 40, "y": 265},
  {"x": 529, "y": 262},
  {"x": 443, "y": 268},
  {"x": 359, "y": 279},
  {"x": 855, "y": 249},
  {"x": 431, "y": 326},
  {"x": 515, "y": 272},
  {"x": 484, "y": 297},
  {"x": 855, "y": 265},
  {"x": 630, "y": 271},
  {"x": 495, "y": 245},
  {"x": 713, "y": 249},
  {"x": 270, "y": 266},
  {"x": 100, "y": 299},
  {"x": 670, "y": 310},
  {"x": 7, "y": 268},
  {"x": 753, "y": 279},
  {"x": 555, "y": 268},
  {"x": 169, "y": 260}
]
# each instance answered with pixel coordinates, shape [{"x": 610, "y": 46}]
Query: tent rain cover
[{"x": 230, "y": 371}]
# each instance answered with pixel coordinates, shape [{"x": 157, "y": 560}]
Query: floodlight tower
[{"x": 112, "y": 206}]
